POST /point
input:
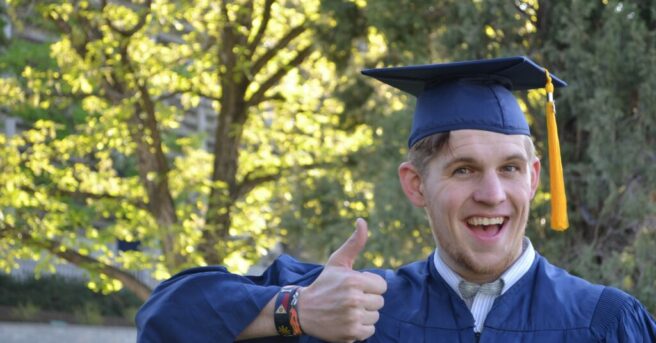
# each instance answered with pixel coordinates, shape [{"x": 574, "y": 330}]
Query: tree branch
[
  {"x": 65, "y": 28},
  {"x": 245, "y": 16},
  {"x": 250, "y": 181},
  {"x": 147, "y": 136},
  {"x": 259, "y": 95},
  {"x": 83, "y": 261},
  {"x": 266, "y": 16},
  {"x": 87, "y": 195},
  {"x": 522, "y": 12},
  {"x": 283, "y": 42},
  {"x": 186, "y": 90},
  {"x": 224, "y": 9},
  {"x": 171, "y": 95}
]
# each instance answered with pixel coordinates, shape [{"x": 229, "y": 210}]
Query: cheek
[
  {"x": 445, "y": 202},
  {"x": 517, "y": 184},
  {"x": 519, "y": 197},
  {"x": 521, "y": 189}
]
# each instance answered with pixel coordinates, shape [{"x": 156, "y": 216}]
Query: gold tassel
[{"x": 559, "y": 221}]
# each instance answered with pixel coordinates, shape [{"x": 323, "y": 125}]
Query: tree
[
  {"x": 104, "y": 161},
  {"x": 608, "y": 115}
]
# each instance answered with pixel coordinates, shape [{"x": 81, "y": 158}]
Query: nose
[{"x": 490, "y": 190}]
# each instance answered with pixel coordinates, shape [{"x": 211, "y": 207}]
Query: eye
[
  {"x": 510, "y": 168},
  {"x": 462, "y": 171}
]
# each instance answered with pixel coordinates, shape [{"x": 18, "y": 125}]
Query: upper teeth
[{"x": 485, "y": 221}]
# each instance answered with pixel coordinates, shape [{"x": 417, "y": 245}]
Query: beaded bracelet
[{"x": 286, "y": 314}]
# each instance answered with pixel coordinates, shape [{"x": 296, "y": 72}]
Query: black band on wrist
[{"x": 285, "y": 315}]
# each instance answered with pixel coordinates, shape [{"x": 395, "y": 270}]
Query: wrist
[{"x": 285, "y": 315}]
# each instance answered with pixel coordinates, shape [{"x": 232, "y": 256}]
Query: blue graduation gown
[{"x": 546, "y": 305}]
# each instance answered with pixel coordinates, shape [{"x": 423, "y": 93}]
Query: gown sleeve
[
  {"x": 209, "y": 304},
  {"x": 622, "y": 318}
]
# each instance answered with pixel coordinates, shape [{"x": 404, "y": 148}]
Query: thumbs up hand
[{"x": 342, "y": 304}]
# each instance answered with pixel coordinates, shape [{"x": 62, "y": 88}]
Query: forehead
[{"x": 486, "y": 144}]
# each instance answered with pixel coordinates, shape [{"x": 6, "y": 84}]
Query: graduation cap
[{"x": 478, "y": 95}]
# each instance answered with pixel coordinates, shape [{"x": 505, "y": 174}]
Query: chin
[{"x": 494, "y": 266}]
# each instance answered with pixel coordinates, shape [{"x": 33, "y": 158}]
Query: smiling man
[
  {"x": 477, "y": 195},
  {"x": 473, "y": 169}
]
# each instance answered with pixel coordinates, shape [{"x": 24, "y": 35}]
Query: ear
[
  {"x": 411, "y": 183},
  {"x": 535, "y": 175}
]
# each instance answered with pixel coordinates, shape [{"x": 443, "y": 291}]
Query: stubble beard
[
  {"x": 473, "y": 266},
  {"x": 467, "y": 264}
]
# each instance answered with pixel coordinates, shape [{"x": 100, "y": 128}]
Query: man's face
[{"x": 477, "y": 195}]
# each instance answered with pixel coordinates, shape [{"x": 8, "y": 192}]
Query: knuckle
[
  {"x": 367, "y": 332},
  {"x": 374, "y": 276},
  {"x": 353, "y": 318},
  {"x": 352, "y": 301},
  {"x": 351, "y": 281},
  {"x": 346, "y": 335},
  {"x": 381, "y": 302},
  {"x": 377, "y": 280},
  {"x": 383, "y": 285},
  {"x": 376, "y": 316},
  {"x": 371, "y": 332}
]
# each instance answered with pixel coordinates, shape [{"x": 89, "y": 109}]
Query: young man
[{"x": 472, "y": 167}]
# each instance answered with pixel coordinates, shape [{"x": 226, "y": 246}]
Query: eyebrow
[
  {"x": 517, "y": 157},
  {"x": 470, "y": 160}
]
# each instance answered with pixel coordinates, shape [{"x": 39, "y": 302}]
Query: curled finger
[
  {"x": 373, "y": 302},
  {"x": 366, "y": 332},
  {"x": 373, "y": 283},
  {"x": 370, "y": 317}
]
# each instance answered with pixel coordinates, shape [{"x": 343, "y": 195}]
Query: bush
[
  {"x": 26, "y": 311},
  {"x": 89, "y": 313},
  {"x": 55, "y": 293}
]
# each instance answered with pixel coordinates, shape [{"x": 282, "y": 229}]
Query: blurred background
[{"x": 139, "y": 138}]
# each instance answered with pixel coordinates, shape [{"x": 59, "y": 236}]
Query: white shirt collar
[{"x": 509, "y": 277}]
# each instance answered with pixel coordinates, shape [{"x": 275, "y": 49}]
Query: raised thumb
[{"x": 349, "y": 251}]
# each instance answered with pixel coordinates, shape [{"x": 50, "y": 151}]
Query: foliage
[
  {"x": 89, "y": 314},
  {"x": 302, "y": 145},
  {"x": 105, "y": 159},
  {"x": 56, "y": 293},
  {"x": 608, "y": 113},
  {"x": 25, "y": 311}
]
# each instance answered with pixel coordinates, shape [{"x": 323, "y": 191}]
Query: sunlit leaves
[
  {"x": 84, "y": 181},
  {"x": 10, "y": 92},
  {"x": 60, "y": 11},
  {"x": 102, "y": 283},
  {"x": 120, "y": 16}
]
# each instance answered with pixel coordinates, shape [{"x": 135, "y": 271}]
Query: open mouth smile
[{"x": 486, "y": 228}]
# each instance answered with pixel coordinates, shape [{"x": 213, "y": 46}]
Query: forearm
[
  {"x": 262, "y": 326},
  {"x": 226, "y": 302}
]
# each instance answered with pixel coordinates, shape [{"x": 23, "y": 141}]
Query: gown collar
[{"x": 509, "y": 277}]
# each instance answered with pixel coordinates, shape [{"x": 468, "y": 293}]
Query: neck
[{"x": 479, "y": 275}]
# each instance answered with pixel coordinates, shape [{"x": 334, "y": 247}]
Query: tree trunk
[
  {"x": 228, "y": 135},
  {"x": 153, "y": 173},
  {"x": 229, "y": 130}
]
